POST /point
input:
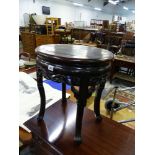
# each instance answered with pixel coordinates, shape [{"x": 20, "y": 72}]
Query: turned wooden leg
[
  {"x": 42, "y": 94},
  {"x": 64, "y": 93},
  {"x": 82, "y": 98},
  {"x": 97, "y": 101}
]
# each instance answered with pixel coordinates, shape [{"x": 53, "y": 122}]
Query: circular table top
[{"x": 74, "y": 53}]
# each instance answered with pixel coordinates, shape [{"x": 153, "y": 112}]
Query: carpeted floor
[{"x": 123, "y": 96}]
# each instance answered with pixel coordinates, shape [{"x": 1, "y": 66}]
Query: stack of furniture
[
  {"x": 47, "y": 39},
  {"x": 40, "y": 35},
  {"x": 82, "y": 33},
  {"x": 124, "y": 62},
  {"x": 109, "y": 40},
  {"x": 29, "y": 43},
  {"x": 65, "y": 35},
  {"x": 97, "y": 23},
  {"x": 51, "y": 24},
  {"x": 31, "y": 40},
  {"x": 115, "y": 39}
]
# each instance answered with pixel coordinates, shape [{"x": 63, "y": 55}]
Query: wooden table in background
[{"x": 123, "y": 61}]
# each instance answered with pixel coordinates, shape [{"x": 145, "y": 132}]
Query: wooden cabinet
[
  {"x": 98, "y": 23},
  {"x": 47, "y": 39},
  {"x": 30, "y": 41},
  {"x": 51, "y": 24}
]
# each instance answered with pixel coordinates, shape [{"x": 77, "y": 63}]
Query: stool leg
[
  {"x": 42, "y": 94},
  {"x": 64, "y": 93},
  {"x": 97, "y": 101},
  {"x": 82, "y": 98}
]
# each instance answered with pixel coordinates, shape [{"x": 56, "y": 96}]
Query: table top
[
  {"x": 74, "y": 53},
  {"x": 28, "y": 70},
  {"x": 86, "y": 28},
  {"x": 62, "y": 31},
  {"x": 125, "y": 58},
  {"x": 106, "y": 137}
]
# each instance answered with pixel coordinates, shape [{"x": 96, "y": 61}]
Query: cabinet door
[
  {"x": 29, "y": 44},
  {"x": 41, "y": 40},
  {"x": 47, "y": 39}
]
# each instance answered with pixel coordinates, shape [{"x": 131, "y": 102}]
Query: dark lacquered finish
[
  {"x": 54, "y": 135},
  {"x": 74, "y": 53},
  {"x": 76, "y": 65}
]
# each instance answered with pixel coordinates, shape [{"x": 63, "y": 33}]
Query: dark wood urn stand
[{"x": 76, "y": 65}]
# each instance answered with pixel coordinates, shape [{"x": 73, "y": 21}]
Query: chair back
[
  {"x": 128, "y": 47},
  {"x": 25, "y": 55}
]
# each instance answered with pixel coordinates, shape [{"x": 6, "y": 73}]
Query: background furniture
[
  {"x": 128, "y": 47},
  {"x": 115, "y": 39},
  {"x": 75, "y": 65},
  {"x": 65, "y": 35},
  {"x": 31, "y": 40},
  {"x": 109, "y": 40},
  {"x": 82, "y": 33},
  {"x": 29, "y": 43},
  {"x": 47, "y": 39},
  {"x": 25, "y": 62},
  {"x": 97, "y": 23},
  {"x": 25, "y": 55},
  {"x": 124, "y": 61},
  {"x": 51, "y": 24},
  {"x": 127, "y": 62}
]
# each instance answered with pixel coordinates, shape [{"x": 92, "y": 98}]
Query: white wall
[
  {"x": 67, "y": 13},
  {"x": 131, "y": 17}
]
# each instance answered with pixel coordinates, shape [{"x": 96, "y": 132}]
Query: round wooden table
[{"x": 76, "y": 65}]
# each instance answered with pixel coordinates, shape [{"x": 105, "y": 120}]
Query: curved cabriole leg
[
  {"x": 81, "y": 103},
  {"x": 42, "y": 94},
  {"x": 64, "y": 93},
  {"x": 97, "y": 101}
]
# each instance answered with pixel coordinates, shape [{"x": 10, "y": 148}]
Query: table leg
[
  {"x": 112, "y": 72},
  {"x": 82, "y": 98},
  {"x": 42, "y": 94},
  {"x": 97, "y": 101},
  {"x": 64, "y": 93}
]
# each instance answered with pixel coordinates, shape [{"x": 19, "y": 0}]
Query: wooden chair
[
  {"x": 128, "y": 47},
  {"x": 24, "y": 55},
  {"x": 115, "y": 43},
  {"x": 102, "y": 40}
]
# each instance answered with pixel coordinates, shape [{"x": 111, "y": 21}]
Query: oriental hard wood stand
[
  {"x": 85, "y": 73},
  {"x": 85, "y": 69}
]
